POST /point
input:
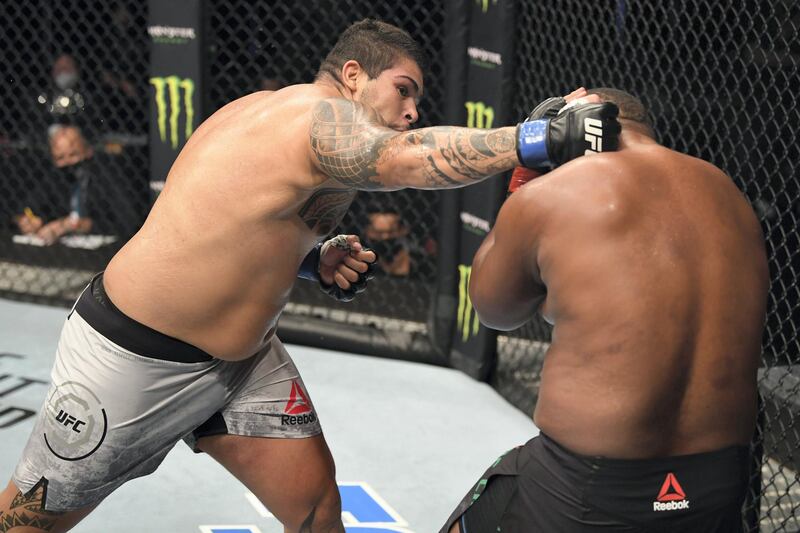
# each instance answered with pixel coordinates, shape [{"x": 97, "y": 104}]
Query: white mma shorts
[{"x": 122, "y": 395}]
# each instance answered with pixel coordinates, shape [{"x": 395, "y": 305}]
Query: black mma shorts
[{"x": 542, "y": 487}]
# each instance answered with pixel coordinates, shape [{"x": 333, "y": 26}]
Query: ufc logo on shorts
[
  {"x": 67, "y": 419},
  {"x": 594, "y": 135}
]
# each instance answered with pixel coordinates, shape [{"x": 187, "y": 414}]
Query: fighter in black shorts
[{"x": 651, "y": 267}]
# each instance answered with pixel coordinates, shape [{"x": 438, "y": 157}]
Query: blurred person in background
[
  {"x": 63, "y": 99},
  {"x": 59, "y": 206},
  {"x": 387, "y": 234}
]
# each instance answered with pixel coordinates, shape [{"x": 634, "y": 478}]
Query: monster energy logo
[
  {"x": 479, "y": 115},
  {"x": 173, "y": 85},
  {"x": 485, "y": 4},
  {"x": 468, "y": 322}
]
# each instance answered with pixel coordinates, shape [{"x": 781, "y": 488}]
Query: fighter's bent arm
[
  {"x": 505, "y": 286},
  {"x": 351, "y": 146}
]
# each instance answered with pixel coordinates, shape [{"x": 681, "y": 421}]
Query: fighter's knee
[{"x": 326, "y": 515}]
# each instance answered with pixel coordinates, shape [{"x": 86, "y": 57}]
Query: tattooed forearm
[
  {"x": 469, "y": 155},
  {"x": 352, "y": 147}
]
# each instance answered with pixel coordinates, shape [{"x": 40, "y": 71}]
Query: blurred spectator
[
  {"x": 61, "y": 207},
  {"x": 63, "y": 100},
  {"x": 388, "y": 234}
]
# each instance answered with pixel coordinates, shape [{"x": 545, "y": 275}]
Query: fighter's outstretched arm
[
  {"x": 350, "y": 145},
  {"x": 505, "y": 285}
]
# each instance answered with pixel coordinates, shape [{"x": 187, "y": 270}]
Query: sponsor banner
[
  {"x": 484, "y": 58},
  {"x": 487, "y": 102},
  {"x": 175, "y": 82}
]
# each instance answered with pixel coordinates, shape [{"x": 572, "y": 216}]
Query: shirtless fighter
[
  {"x": 175, "y": 339},
  {"x": 651, "y": 266}
]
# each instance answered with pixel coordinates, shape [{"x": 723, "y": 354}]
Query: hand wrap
[{"x": 334, "y": 290}]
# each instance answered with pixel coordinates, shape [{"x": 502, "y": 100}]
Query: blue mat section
[{"x": 408, "y": 439}]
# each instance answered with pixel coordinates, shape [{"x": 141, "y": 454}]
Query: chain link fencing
[
  {"x": 73, "y": 139},
  {"x": 719, "y": 79},
  {"x": 268, "y": 45}
]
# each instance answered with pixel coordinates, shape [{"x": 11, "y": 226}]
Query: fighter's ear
[{"x": 351, "y": 71}]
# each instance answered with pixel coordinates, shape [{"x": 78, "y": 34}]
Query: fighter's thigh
[
  {"x": 108, "y": 417},
  {"x": 24, "y": 513},
  {"x": 294, "y": 478}
]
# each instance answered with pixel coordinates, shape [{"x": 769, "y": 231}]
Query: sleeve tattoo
[{"x": 353, "y": 148}]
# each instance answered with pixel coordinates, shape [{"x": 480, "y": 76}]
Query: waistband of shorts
[
  {"x": 99, "y": 311},
  {"x": 723, "y": 457}
]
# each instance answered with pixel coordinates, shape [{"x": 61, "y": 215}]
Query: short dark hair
[
  {"x": 375, "y": 45},
  {"x": 630, "y": 107}
]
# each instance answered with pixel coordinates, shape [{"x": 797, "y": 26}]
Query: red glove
[{"x": 520, "y": 177}]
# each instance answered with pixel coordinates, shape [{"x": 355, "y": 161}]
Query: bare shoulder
[
  {"x": 578, "y": 184},
  {"x": 531, "y": 201}
]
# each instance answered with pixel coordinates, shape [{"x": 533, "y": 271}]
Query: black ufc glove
[
  {"x": 545, "y": 143},
  {"x": 547, "y": 108}
]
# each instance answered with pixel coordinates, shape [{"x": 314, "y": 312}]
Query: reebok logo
[
  {"x": 594, "y": 135},
  {"x": 299, "y": 420},
  {"x": 298, "y": 403},
  {"x": 671, "y": 496},
  {"x": 297, "y": 410}
]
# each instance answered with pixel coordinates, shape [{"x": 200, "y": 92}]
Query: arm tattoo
[
  {"x": 28, "y": 510},
  {"x": 325, "y": 209},
  {"x": 470, "y": 155},
  {"x": 343, "y": 137},
  {"x": 353, "y": 148}
]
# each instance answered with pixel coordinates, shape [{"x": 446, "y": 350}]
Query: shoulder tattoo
[{"x": 347, "y": 143}]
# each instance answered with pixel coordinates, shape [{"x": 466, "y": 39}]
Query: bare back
[
  {"x": 215, "y": 261},
  {"x": 656, "y": 278}
]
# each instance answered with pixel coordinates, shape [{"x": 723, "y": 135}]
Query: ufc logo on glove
[{"x": 594, "y": 134}]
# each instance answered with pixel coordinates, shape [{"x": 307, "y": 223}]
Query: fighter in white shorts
[
  {"x": 246, "y": 206},
  {"x": 123, "y": 394}
]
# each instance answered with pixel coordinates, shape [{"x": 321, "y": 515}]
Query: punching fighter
[
  {"x": 175, "y": 339},
  {"x": 651, "y": 267}
]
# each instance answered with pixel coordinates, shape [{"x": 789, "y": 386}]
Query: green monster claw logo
[
  {"x": 485, "y": 4},
  {"x": 468, "y": 321},
  {"x": 479, "y": 115},
  {"x": 174, "y": 84}
]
